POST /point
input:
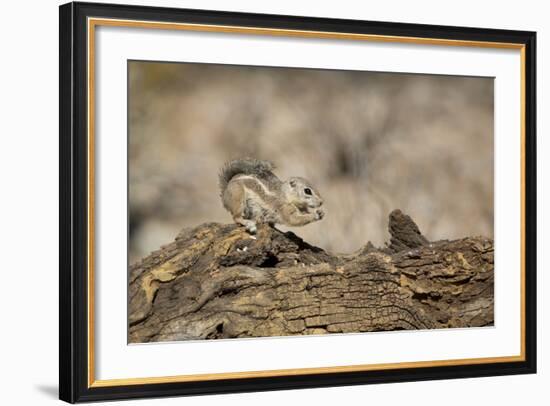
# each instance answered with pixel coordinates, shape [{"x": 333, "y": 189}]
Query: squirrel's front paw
[{"x": 319, "y": 214}]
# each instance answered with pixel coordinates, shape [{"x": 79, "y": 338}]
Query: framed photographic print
[{"x": 257, "y": 202}]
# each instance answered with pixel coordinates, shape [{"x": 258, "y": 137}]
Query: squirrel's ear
[{"x": 292, "y": 183}]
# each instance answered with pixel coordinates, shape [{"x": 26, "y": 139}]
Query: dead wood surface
[{"x": 215, "y": 281}]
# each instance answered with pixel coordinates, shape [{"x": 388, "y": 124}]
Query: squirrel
[{"x": 253, "y": 195}]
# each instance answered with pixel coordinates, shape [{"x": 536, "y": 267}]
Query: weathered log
[{"x": 216, "y": 281}]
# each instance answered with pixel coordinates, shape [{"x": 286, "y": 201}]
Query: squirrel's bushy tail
[{"x": 246, "y": 166}]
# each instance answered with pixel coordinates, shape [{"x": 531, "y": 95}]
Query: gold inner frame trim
[
  {"x": 94, "y": 22},
  {"x": 299, "y": 371}
]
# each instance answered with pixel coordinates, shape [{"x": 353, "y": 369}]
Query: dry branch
[{"x": 215, "y": 281}]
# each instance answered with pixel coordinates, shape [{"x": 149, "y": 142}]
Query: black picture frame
[{"x": 74, "y": 199}]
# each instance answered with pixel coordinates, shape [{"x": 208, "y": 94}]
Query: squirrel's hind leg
[
  {"x": 234, "y": 199},
  {"x": 250, "y": 225}
]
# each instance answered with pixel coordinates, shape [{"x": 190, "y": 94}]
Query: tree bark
[{"x": 216, "y": 281}]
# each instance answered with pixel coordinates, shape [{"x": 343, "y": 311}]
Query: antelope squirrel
[{"x": 252, "y": 193}]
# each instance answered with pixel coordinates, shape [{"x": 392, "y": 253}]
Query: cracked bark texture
[{"x": 215, "y": 281}]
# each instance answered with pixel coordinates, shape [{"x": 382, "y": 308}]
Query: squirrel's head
[{"x": 302, "y": 194}]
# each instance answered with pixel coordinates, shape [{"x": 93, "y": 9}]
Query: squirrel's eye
[{"x": 307, "y": 191}]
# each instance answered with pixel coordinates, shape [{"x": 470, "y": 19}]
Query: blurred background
[{"x": 370, "y": 142}]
